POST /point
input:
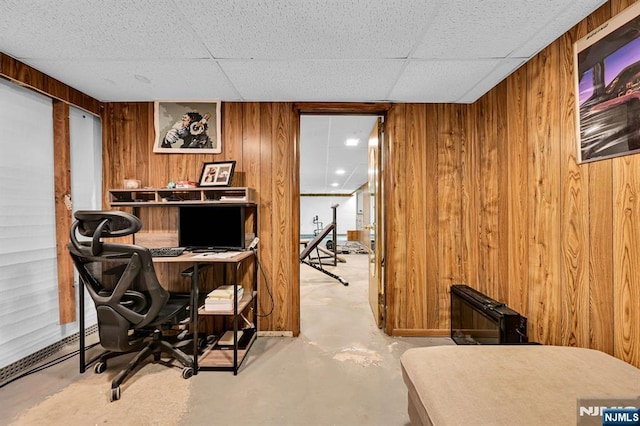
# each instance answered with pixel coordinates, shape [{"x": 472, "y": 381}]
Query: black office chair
[{"x": 132, "y": 307}]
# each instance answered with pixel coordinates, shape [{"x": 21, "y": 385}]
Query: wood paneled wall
[
  {"x": 261, "y": 137},
  {"x": 487, "y": 194},
  {"x": 490, "y": 194}
]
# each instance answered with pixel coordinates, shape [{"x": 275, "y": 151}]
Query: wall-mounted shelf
[{"x": 165, "y": 196}]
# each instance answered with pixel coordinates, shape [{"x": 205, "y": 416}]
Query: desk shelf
[
  {"x": 214, "y": 358},
  {"x": 242, "y": 304},
  {"x": 178, "y": 196},
  {"x": 228, "y": 357}
]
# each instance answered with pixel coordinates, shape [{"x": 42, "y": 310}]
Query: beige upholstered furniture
[{"x": 507, "y": 385}]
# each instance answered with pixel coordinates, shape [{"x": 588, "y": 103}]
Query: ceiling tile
[
  {"x": 143, "y": 80},
  {"x": 312, "y": 80},
  {"x": 308, "y": 29},
  {"x": 556, "y": 26},
  {"x": 147, "y": 29},
  {"x": 503, "y": 69},
  {"x": 440, "y": 81},
  {"x": 488, "y": 29}
]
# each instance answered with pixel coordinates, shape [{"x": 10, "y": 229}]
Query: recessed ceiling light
[
  {"x": 352, "y": 142},
  {"x": 340, "y": 172},
  {"x": 335, "y": 184}
]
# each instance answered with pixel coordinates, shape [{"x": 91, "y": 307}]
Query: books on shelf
[{"x": 222, "y": 299}]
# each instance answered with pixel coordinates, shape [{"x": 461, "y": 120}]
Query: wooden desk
[{"x": 197, "y": 261}]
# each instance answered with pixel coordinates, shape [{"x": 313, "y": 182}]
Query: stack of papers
[
  {"x": 222, "y": 298},
  {"x": 217, "y": 255}
]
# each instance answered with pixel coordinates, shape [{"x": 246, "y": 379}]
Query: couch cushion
[{"x": 506, "y": 385}]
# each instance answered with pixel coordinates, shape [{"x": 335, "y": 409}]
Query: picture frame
[
  {"x": 217, "y": 173},
  {"x": 186, "y": 127},
  {"x": 607, "y": 88}
]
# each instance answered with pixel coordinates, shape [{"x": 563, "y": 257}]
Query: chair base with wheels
[
  {"x": 156, "y": 347},
  {"x": 132, "y": 307}
]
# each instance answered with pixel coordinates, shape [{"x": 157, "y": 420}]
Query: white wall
[
  {"x": 29, "y": 314},
  {"x": 321, "y": 206}
]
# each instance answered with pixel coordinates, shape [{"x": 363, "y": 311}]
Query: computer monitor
[{"x": 212, "y": 227}]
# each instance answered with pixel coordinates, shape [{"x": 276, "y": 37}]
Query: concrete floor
[{"x": 341, "y": 370}]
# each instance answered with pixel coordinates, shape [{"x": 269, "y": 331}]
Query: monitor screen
[{"x": 211, "y": 226}]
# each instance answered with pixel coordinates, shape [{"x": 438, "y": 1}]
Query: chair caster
[
  {"x": 100, "y": 367},
  {"x": 187, "y": 372},
  {"x": 115, "y": 394}
]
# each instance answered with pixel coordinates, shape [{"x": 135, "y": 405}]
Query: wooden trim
[
  {"x": 29, "y": 77},
  {"x": 423, "y": 332},
  {"x": 62, "y": 185},
  {"x": 328, "y": 195},
  {"x": 295, "y": 219},
  {"x": 342, "y": 108}
]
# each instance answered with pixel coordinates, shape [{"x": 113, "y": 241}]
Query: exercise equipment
[{"x": 317, "y": 262}]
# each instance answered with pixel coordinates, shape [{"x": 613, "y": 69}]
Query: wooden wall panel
[
  {"x": 544, "y": 188},
  {"x": 626, "y": 248},
  {"x": 517, "y": 217},
  {"x": 489, "y": 169},
  {"x": 415, "y": 217},
  {"x": 517, "y": 213},
  {"x": 62, "y": 193},
  {"x": 282, "y": 209},
  {"x": 431, "y": 218},
  {"x": 259, "y": 137},
  {"x": 470, "y": 228},
  {"x": 450, "y": 212},
  {"x": 395, "y": 272},
  {"x": 574, "y": 209},
  {"x": 626, "y": 235},
  {"x": 267, "y": 248},
  {"x": 599, "y": 175}
]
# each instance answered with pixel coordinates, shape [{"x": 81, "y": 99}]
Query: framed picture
[
  {"x": 187, "y": 127},
  {"x": 607, "y": 79},
  {"x": 217, "y": 173}
]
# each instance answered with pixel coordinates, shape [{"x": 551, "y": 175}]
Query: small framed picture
[{"x": 217, "y": 173}]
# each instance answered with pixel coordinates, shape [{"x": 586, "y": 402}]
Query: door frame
[{"x": 337, "y": 108}]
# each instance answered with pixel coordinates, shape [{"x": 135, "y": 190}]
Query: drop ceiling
[{"x": 284, "y": 50}]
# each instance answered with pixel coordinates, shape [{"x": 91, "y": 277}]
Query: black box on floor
[{"x": 476, "y": 319}]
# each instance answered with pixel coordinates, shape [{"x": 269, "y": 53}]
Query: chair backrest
[{"x": 119, "y": 277}]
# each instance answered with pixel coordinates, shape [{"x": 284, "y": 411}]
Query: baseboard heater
[{"x": 476, "y": 319}]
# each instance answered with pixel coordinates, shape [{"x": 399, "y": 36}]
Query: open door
[{"x": 372, "y": 234}]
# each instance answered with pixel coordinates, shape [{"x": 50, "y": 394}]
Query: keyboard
[{"x": 166, "y": 251}]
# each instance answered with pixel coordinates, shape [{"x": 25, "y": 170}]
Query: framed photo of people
[
  {"x": 187, "y": 127},
  {"x": 217, "y": 173},
  {"x": 607, "y": 82}
]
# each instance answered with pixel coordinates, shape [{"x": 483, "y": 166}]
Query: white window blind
[
  {"x": 29, "y": 313},
  {"x": 28, "y": 281}
]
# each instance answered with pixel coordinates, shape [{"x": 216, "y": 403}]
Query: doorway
[{"x": 340, "y": 171}]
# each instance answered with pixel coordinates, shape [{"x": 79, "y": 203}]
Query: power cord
[
  {"x": 266, "y": 282},
  {"x": 47, "y": 365}
]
